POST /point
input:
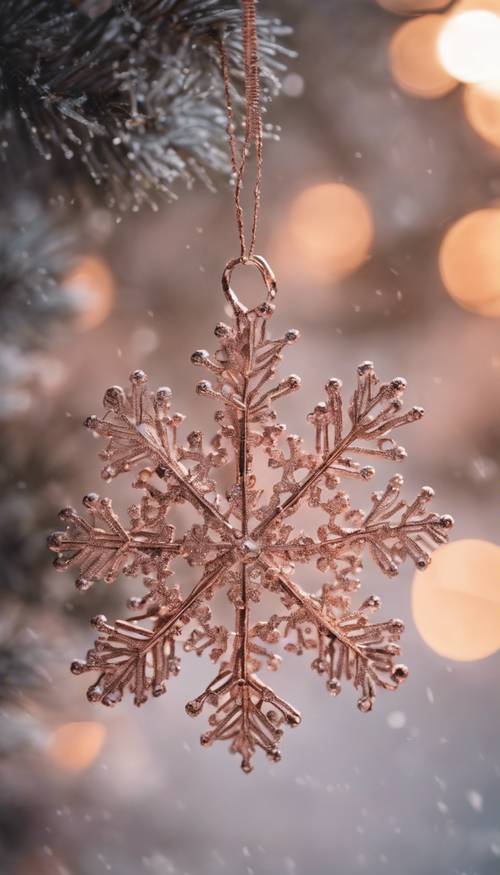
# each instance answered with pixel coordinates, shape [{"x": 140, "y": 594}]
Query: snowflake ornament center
[
  {"x": 248, "y": 550},
  {"x": 245, "y": 541}
]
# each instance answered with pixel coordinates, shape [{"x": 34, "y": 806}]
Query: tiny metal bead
[
  {"x": 91, "y": 422},
  {"x": 266, "y": 310},
  {"x": 163, "y": 394},
  {"x": 78, "y": 666},
  {"x": 397, "y": 627},
  {"x": 204, "y": 387},
  {"x": 399, "y": 673},
  {"x": 135, "y": 511},
  {"x": 90, "y": 499},
  {"x": 446, "y": 521},
  {"x": 333, "y": 385},
  {"x": 293, "y": 381},
  {"x": 114, "y": 397},
  {"x": 333, "y": 686},
  {"x": 367, "y": 472},
  {"x": 274, "y": 755},
  {"x": 193, "y": 708},
  {"x": 138, "y": 377},
  {"x": 194, "y": 439},
  {"x": 200, "y": 356},
  {"x": 365, "y": 704},
  {"x": 112, "y": 698},
  {"x": 178, "y": 418},
  {"x": 365, "y": 368},
  {"x": 55, "y": 541},
  {"x": 99, "y": 622},
  {"x": 398, "y": 384},
  {"x": 318, "y": 665},
  {"x": 94, "y": 693},
  {"x": 66, "y": 514},
  {"x": 427, "y": 492},
  {"x": 292, "y": 335},
  {"x": 159, "y": 689}
]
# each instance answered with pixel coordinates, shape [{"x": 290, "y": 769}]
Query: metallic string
[{"x": 253, "y": 124}]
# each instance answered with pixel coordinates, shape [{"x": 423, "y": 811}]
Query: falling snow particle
[
  {"x": 396, "y": 720},
  {"x": 475, "y": 800}
]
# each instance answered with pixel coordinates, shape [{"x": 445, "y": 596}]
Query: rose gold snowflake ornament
[{"x": 245, "y": 541}]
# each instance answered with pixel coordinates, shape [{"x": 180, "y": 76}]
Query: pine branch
[
  {"x": 130, "y": 99},
  {"x": 36, "y": 252}
]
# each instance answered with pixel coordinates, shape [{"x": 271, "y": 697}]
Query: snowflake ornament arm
[{"x": 245, "y": 541}]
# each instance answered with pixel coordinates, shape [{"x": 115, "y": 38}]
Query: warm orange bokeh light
[
  {"x": 484, "y": 5},
  {"x": 411, "y": 7},
  {"x": 331, "y": 230},
  {"x": 468, "y": 45},
  {"x": 482, "y": 109},
  {"x": 91, "y": 285},
  {"x": 469, "y": 262},
  {"x": 74, "y": 746},
  {"x": 456, "y": 600},
  {"x": 414, "y": 60}
]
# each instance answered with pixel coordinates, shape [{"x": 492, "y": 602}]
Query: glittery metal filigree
[{"x": 245, "y": 541}]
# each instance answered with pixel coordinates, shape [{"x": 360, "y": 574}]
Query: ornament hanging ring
[{"x": 266, "y": 307}]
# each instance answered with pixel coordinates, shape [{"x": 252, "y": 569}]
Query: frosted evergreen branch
[{"x": 130, "y": 101}]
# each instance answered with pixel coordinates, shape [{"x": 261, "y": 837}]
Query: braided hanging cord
[{"x": 253, "y": 125}]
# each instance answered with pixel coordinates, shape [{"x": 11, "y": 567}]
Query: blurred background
[{"x": 381, "y": 219}]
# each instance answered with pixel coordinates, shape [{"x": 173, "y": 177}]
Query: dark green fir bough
[{"x": 126, "y": 96}]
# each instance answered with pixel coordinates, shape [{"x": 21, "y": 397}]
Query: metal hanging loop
[{"x": 265, "y": 307}]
